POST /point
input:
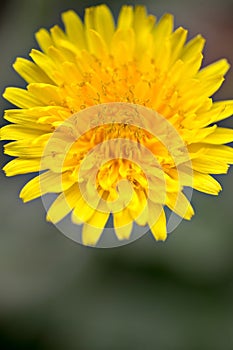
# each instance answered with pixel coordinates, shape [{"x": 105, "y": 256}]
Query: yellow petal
[
  {"x": 219, "y": 136},
  {"x": 142, "y": 218},
  {"x": 22, "y": 166},
  {"x": 197, "y": 135},
  {"x": 47, "y": 182},
  {"x": 142, "y": 22},
  {"x": 63, "y": 204},
  {"x": 143, "y": 25},
  {"x": 45, "y": 63},
  {"x": 221, "y": 152},
  {"x": 30, "y": 72},
  {"x": 192, "y": 66},
  {"x": 24, "y": 149},
  {"x": 19, "y": 132},
  {"x": 164, "y": 27},
  {"x": 93, "y": 229},
  {"x": 210, "y": 85},
  {"x": 123, "y": 41},
  {"x": 210, "y": 153},
  {"x": 217, "y": 68},
  {"x": 82, "y": 211},
  {"x": 46, "y": 93},
  {"x": 19, "y": 116},
  {"x": 206, "y": 183},
  {"x": 178, "y": 203},
  {"x": 123, "y": 224},
  {"x": 89, "y": 17},
  {"x": 96, "y": 44},
  {"x": 35, "y": 114},
  {"x": 21, "y": 98},
  {"x": 74, "y": 29},
  {"x": 221, "y": 110},
  {"x": 161, "y": 33},
  {"x": 104, "y": 23},
  {"x": 63, "y": 52},
  {"x": 194, "y": 98},
  {"x": 157, "y": 221},
  {"x": 57, "y": 35},
  {"x": 123, "y": 232},
  {"x": 125, "y": 18},
  {"x": 44, "y": 39},
  {"x": 207, "y": 165},
  {"x": 217, "y": 111},
  {"x": 139, "y": 212},
  {"x": 178, "y": 39},
  {"x": 193, "y": 47}
]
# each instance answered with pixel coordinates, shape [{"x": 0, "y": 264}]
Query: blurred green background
[{"x": 56, "y": 294}]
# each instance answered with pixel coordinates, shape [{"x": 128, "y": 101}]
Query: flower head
[{"x": 109, "y": 107}]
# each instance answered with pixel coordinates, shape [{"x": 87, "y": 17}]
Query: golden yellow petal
[
  {"x": 96, "y": 44},
  {"x": 123, "y": 41},
  {"x": 217, "y": 68},
  {"x": 104, "y": 23},
  {"x": 142, "y": 218},
  {"x": 58, "y": 55},
  {"x": 206, "y": 183},
  {"x": 157, "y": 221},
  {"x": 21, "y": 98},
  {"x": 123, "y": 232},
  {"x": 57, "y": 35},
  {"x": 44, "y": 39},
  {"x": 46, "y": 64},
  {"x": 221, "y": 110},
  {"x": 193, "y": 47},
  {"x": 19, "y": 132},
  {"x": 30, "y": 72},
  {"x": 93, "y": 228},
  {"x": 219, "y": 136},
  {"x": 89, "y": 17},
  {"x": 143, "y": 26},
  {"x": 24, "y": 149},
  {"x": 164, "y": 27},
  {"x": 209, "y": 153},
  {"x": 210, "y": 85},
  {"x": 195, "y": 97},
  {"x": 161, "y": 45},
  {"x": 123, "y": 224},
  {"x": 197, "y": 135},
  {"x": 221, "y": 152},
  {"x": 141, "y": 21},
  {"x": 74, "y": 29},
  {"x": 22, "y": 166},
  {"x": 125, "y": 18},
  {"x": 192, "y": 66},
  {"x": 180, "y": 205},
  {"x": 208, "y": 165},
  {"x": 82, "y": 211},
  {"x": 63, "y": 204},
  {"x": 47, "y": 182},
  {"x": 216, "y": 112},
  {"x": 30, "y": 117},
  {"x": 178, "y": 39},
  {"x": 46, "y": 93},
  {"x": 139, "y": 212}
]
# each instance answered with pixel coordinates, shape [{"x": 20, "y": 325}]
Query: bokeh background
[{"x": 56, "y": 294}]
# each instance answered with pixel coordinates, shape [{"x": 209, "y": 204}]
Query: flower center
[{"x": 116, "y": 161}]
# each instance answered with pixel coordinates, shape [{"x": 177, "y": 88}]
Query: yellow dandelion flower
[{"x": 118, "y": 119}]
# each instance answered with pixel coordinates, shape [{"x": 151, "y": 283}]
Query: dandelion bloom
[{"x": 136, "y": 62}]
